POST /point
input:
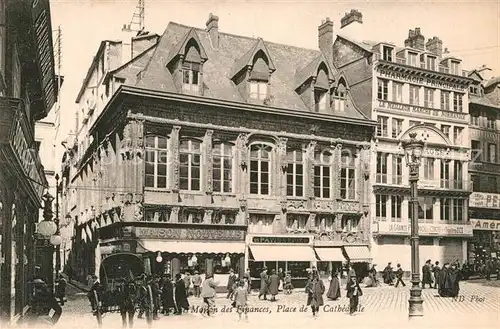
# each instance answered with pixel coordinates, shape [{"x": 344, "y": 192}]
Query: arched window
[
  {"x": 339, "y": 97},
  {"x": 347, "y": 175},
  {"x": 191, "y": 68},
  {"x": 322, "y": 174},
  {"x": 260, "y": 173},
  {"x": 156, "y": 162},
  {"x": 295, "y": 173},
  {"x": 222, "y": 167},
  {"x": 321, "y": 87},
  {"x": 189, "y": 167},
  {"x": 259, "y": 77}
]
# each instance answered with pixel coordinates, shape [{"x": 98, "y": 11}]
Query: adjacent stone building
[
  {"x": 416, "y": 88},
  {"x": 212, "y": 151}
]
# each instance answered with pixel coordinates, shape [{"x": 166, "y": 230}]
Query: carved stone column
[
  {"x": 207, "y": 216},
  {"x": 138, "y": 155},
  {"x": 337, "y": 158},
  {"x": 242, "y": 158},
  {"x": 282, "y": 165},
  {"x": 174, "y": 144},
  {"x": 174, "y": 215},
  {"x": 310, "y": 152},
  {"x": 338, "y": 222},
  {"x": 208, "y": 161}
]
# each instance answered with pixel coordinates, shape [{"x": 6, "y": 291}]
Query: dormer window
[
  {"x": 321, "y": 88},
  {"x": 431, "y": 63},
  {"x": 258, "y": 89},
  {"x": 454, "y": 67},
  {"x": 339, "y": 98},
  {"x": 387, "y": 53},
  {"x": 412, "y": 59},
  {"x": 190, "y": 77},
  {"x": 259, "y": 77},
  {"x": 474, "y": 90},
  {"x": 320, "y": 100}
]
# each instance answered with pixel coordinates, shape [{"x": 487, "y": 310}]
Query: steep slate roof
[
  {"x": 130, "y": 70},
  {"x": 221, "y": 62},
  {"x": 311, "y": 70},
  {"x": 483, "y": 101},
  {"x": 491, "y": 82},
  {"x": 247, "y": 58}
]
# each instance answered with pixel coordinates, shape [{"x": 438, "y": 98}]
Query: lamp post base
[{"x": 415, "y": 303}]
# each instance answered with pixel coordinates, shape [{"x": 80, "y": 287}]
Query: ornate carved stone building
[
  {"x": 209, "y": 147},
  {"x": 416, "y": 88}
]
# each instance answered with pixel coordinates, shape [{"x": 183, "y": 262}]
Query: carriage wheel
[
  {"x": 98, "y": 309},
  {"x": 150, "y": 305}
]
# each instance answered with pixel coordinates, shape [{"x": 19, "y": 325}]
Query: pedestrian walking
[
  {"x": 288, "y": 287},
  {"x": 281, "y": 276},
  {"x": 334, "y": 288},
  {"x": 315, "y": 290},
  {"x": 197, "y": 284},
  {"x": 187, "y": 282},
  {"x": 180, "y": 295},
  {"x": 372, "y": 275},
  {"x": 241, "y": 301},
  {"x": 208, "y": 293},
  {"x": 426, "y": 274},
  {"x": 263, "y": 283},
  {"x": 437, "y": 274},
  {"x": 230, "y": 284},
  {"x": 248, "y": 278},
  {"x": 274, "y": 282},
  {"x": 399, "y": 276},
  {"x": 353, "y": 293},
  {"x": 167, "y": 295},
  {"x": 388, "y": 274}
]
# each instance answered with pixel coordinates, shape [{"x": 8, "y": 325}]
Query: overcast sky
[{"x": 469, "y": 29}]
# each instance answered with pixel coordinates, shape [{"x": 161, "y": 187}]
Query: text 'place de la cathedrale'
[{"x": 197, "y": 149}]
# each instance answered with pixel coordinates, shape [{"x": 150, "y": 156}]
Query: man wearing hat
[
  {"x": 264, "y": 279},
  {"x": 197, "y": 284}
]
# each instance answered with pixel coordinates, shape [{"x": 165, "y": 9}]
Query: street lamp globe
[
  {"x": 159, "y": 258},
  {"x": 413, "y": 149},
  {"x": 47, "y": 228},
  {"x": 55, "y": 240}
]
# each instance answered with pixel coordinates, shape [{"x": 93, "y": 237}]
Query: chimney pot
[{"x": 213, "y": 29}]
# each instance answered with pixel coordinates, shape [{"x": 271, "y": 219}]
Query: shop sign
[
  {"x": 281, "y": 239},
  {"x": 425, "y": 229},
  {"x": 489, "y": 136},
  {"x": 175, "y": 233},
  {"x": 485, "y": 224},
  {"x": 423, "y": 110},
  {"x": 414, "y": 79},
  {"x": 484, "y": 200}
]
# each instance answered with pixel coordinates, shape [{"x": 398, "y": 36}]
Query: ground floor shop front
[{"x": 485, "y": 243}]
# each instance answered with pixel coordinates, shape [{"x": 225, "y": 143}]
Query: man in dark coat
[
  {"x": 315, "y": 290},
  {"x": 248, "y": 279},
  {"x": 274, "y": 282},
  {"x": 180, "y": 294},
  {"x": 443, "y": 279},
  {"x": 399, "y": 276},
  {"x": 453, "y": 278},
  {"x": 230, "y": 284},
  {"x": 167, "y": 295},
  {"x": 263, "y": 283},
  {"x": 388, "y": 275},
  {"x": 426, "y": 274},
  {"x": 437, "y": 274}
]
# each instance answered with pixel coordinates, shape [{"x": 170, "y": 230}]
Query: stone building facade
[
  {"x": 213, "y": 151},
  {"x": 416, "y": 88}
]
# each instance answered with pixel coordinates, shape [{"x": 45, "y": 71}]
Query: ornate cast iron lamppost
[{"x": 413, "y": 151}]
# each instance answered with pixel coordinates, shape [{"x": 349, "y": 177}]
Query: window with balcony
[
  {"x": 458, "y": 102},
  {"x": 457, "y": 135},
  {"x": 426, "y": 208},
  {"x": 258, "y": 89},
  {"x": 381, "y": 206},
  {"x": 414, "y": 95},
  {"x": 191, "y": 76},
  {"x": 428, "y": 168},
  {"x": 382, "y": 89},
  {"x": 397, "y": 169},
  {"x": 445, "y": 209},
  {"x": 382, "y": 128},
  {"x": 492, "y": 153},
  {"x": 381, "y": 176},
  {"x": 396, "y": 203},
  {"x": 429, "y": 97},
  {"x": 445, "y": 100},
  {"x": 295, "y": 173},
  {"x": 260, "y": 165},
  {"x": 476, "y": 151},
  {"x": 445, "y": 174},
  {"x": 397, "y": 127},
  {"x": 458, "y": 210},
  {"x": 413, "y": 59},
  {"x": 491, "y": 122},
  {"x": 155, "y": 162},
  {"x": 397, "y": 92},
  {"x": 189, "y": 165},
  {"x": 431, "y": 63},
  {"x": 387, "y": 53},
  {"x": 347, "y": 176},
  {"x": 339, "y": 98},
  {"x": 222, "y": 168},
  {"x": 454, "y": 67},
  {"x": 475, "y": 119},
  {"x": 322, "y": 174}
]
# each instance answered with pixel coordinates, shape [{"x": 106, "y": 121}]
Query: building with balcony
[
  {"x": 484, "y": 169},
  {"x": 212, "y": 151},
  {"x": 416, "y": 88},
  {"x": 27, "y": 93}
]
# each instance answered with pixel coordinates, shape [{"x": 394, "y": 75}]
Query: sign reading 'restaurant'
[{"x": 419, "y": 80}]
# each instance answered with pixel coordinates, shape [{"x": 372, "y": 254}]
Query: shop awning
[
  {"x": 358, "y": 253},
  {"x": 283, "y": 253},
  {"x": 193, "y": 247},
  {"x": 330, "y": 254}
]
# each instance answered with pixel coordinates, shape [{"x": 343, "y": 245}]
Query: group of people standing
[{"x": 272, "y": 284}]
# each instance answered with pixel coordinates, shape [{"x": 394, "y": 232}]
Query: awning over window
[
  {"x": 193, "y": 247},
  {"x": 283, "y": 253},
  {"x": 330, "y": 254},
  {"x": 358, "y": 253}
]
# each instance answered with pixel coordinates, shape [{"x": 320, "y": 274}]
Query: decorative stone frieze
[
  {"x": 208, "y": 161},
  {"x": 207, "y": 216},
  {"x": 310, "y": 168},
  {"x": 174, "y": 138},
  {"x": 174, "y": 215}
]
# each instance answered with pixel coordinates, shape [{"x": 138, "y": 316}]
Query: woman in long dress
[{"x": 334, "y": 289}]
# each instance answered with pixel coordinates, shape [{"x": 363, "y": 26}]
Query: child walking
[
  {"x": 353, "y": 293},
  {"x": 241, "y": 300}
]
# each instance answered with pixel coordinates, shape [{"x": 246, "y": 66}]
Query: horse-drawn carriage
[{"x": 123, "y": 288}]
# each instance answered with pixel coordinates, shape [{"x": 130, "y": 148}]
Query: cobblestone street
[{"x": 380, "y": 307}]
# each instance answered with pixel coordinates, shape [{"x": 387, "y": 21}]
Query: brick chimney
[
  {"x": 213, "y": 29},
  {"x": 415, "y": 39},
  {"x": 351, "y": 17},
  {"x": 435, "y": 46},
  {"x": 325, "y": 38},
  {"x": 351, "y": 25}
]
